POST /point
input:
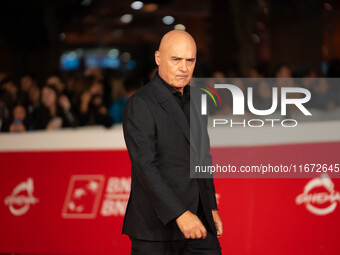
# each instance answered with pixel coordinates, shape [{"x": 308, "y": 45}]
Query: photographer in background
[
  {"x": 92, "y": 110},
  {"x": 53, "y": 113}
]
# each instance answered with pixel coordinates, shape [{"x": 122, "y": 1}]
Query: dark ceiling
[{"x": 89, "y": 22}]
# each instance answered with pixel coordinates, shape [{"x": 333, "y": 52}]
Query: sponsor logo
[
  {"x": 85, "y": 193},
  {"x": 21, "y": 199},
  {"x": 83, "y": 196},
  {"x": 319, "y": 196},
  {"x": 116, "y": 196}
]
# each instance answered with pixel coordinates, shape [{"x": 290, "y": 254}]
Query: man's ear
[{"x": 157, "y": 57}]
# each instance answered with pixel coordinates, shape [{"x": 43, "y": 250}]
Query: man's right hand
[{"x": 191, "y": 226}]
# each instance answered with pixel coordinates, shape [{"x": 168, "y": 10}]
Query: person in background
[
  {"x": 51, "y": 115},
  {"x": 56, "y": 80},
  {"x": 259, "y": 71},
  {"x": 92, "y": 110},
  {"x": 282, "y": 71},
  {"x": 8, "y": 97},
  {"x": 263, "y": 95},
  {"x": 33, "y": 99},
  {"x": 27, "y": 82},
  {"x": 4, "y": 115},
  {"x": 130, "y": 86},
  {"x": 218, "y": 74},
  {"x": 309, "y": 81},
  {"x": 64, "y": 98},
  {"x": 96, "y": 73},
  {"x": 20, "y": 120},
  {"x": 283, "y": 75},
  {"x": 17, "y": 120},
  {"x": 70, "y": 89},
  {"x": 324, "y": 98},
  {"x": 9, "y": 92}
]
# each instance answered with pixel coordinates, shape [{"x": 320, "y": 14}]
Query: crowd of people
[
  {"x": 71, "y": 101},
  {"x": 92, "y": 98}
]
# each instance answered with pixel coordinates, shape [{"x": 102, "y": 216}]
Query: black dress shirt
[{"x": 183, "y": 100}]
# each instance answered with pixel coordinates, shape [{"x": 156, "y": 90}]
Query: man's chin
[{"x": 181, "y": 83}]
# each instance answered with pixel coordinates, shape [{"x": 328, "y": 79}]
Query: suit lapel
[
  {"x": 173, "y": 109},
  {"x": 169, "y": 104}
]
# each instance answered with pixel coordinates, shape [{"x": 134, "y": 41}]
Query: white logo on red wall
[
  {"x": 116, "y": 196},
  {"x": 85, "y": 192},
  {"x": 83, "y": 196},
  {"x": 22, "y": 198},
  {"x": 319, "y": 196}
]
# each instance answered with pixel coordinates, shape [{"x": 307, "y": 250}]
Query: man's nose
[{"x": 183, "y": 66}]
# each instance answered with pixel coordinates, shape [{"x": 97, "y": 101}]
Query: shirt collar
[{"x": 186, "y": 89}]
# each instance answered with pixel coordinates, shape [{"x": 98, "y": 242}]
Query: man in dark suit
[{"x": 168, "y": 212}]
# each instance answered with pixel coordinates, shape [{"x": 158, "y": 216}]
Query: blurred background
[
  {"x": 96, "y": 53},
  {"x": 70, "y": 66}
]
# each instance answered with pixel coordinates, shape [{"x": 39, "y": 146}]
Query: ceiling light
[
  {"x": 179, "y": 27},
  {"x": 168, "y": 20},
  {"x": 113, "y": 53},
  {"x": 126, "y": 18},
  {"x": 137, "y": 5}
]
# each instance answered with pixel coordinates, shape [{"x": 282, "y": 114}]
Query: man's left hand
[{"x": 218, "y": 223}]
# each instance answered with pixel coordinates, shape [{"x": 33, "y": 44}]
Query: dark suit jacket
[{"x": 157, "y": 136}]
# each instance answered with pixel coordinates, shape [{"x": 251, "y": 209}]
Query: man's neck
[{"x": 177, "y": 89}]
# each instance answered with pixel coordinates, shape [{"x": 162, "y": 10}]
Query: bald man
[{"x": 168, "y": 212}]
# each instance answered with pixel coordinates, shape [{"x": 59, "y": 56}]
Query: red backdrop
[{"x": 73, "y": 202}]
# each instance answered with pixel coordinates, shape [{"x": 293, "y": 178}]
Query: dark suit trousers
[{"x": 210, "y": 245}]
